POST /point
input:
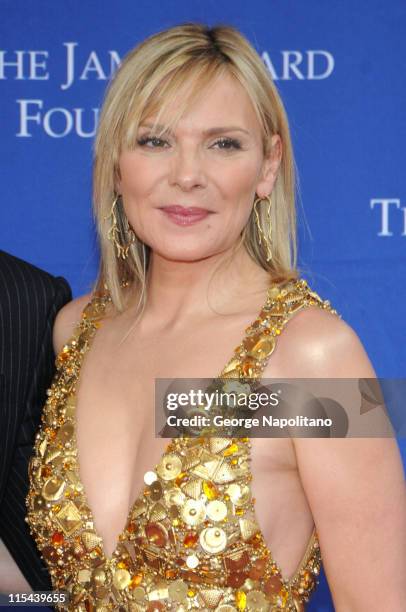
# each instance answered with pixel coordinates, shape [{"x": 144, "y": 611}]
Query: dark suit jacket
[{"x": 29, "y": 301}]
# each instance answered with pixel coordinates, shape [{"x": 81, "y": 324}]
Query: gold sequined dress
[{"x": 191, "y": 541}]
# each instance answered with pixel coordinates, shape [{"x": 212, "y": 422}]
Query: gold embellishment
[
  {"x": 68, "y": 518},
  {"x": 170, "y": 467},
  {"x": 191, "y": 540},
  {"x": 193, "y": 512},
  {"x": 53, "y": 489},
  {"x": 213, "y": 539}
]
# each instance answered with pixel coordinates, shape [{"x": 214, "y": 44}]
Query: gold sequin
[
  {"x": 239, "y": 495},
  {"x": 193, "y": 488},
  {"x": 53, "y": 489},
  {"x": 174, "y": 496},
  {"x": 159, "y": 592},
  {"x": 65, "y": 433},
  {"x": 169, "y": 467},
  {"x": 193, "y": 512},
  {"x": 256, "y": 600},
  {"x": 231, "y": 366},
  {"x": 273, "y": 292},
  {"x": 216, "y": 445},
  {"x": 90, "y": 540},
  {"x": 210, "y": 597},
  {"x": 42, "y": 447},
  {"x": 121, "y": 579},
  {"x": 216, "y": 510},
  {"x": 225, "y": 473},
  {"x": 138, "y": 508},
  {"x": 99, "y": 576},
  {"x": 68, "y": 518},
  {"x": 177, "y": 591},
  {"x": 139, "y": 593},
  {"x": 158, "y": 512},
  {"x": 248, "y": 528},
  {"x": 52, "y": 453},
  {"x": 213, "y": 539},
  {"x": 84, "y": 576}
]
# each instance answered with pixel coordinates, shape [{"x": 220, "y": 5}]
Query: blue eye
[
  {"x": 153, "y": 139},
  {"x": 226, "y": 143},
  {"x": 230, "y": 143}
]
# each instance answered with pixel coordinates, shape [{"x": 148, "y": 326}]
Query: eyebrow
[{"x": 208, "y": 132}]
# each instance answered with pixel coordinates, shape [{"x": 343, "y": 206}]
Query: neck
[{"x": 185, "y": 290}]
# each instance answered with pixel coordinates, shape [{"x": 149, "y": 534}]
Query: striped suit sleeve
[{"x": 50, "y": 295}]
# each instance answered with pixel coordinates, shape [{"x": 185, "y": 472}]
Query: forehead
[{"x": 221, "y": 102}]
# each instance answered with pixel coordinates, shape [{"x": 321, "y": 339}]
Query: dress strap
[
  {"x": 89, "y": 320},
  {"x": 283, "y": 301},
  {"x": 249, "y": 361}
]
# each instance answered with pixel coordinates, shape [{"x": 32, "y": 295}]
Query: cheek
[
  {"x": 240, "y": 176},
  {"x": 238, "y": 186},
  {"x": 137, "y": 174}
]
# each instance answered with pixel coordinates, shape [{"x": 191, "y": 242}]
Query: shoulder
[
  {"x": 30, "y": 295},
  {"x": 22, "y": 278},
  {"x": 318, "y": 343},
  {"x": 67, "y": 319}
]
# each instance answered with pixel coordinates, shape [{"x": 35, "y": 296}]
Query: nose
[{"x": 187, "y": 169}]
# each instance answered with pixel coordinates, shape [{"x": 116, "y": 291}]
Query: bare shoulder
[
  {"x": 318, "y": 343},
  {"x": 67, "y": 319},
  {"x": 343, "y": 478}
]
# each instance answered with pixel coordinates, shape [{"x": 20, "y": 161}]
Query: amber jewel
[{"x": 210, "y": 490}]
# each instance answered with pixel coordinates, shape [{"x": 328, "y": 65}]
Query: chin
[{"x": 183, "y": 254}]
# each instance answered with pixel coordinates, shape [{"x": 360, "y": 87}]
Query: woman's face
[{"x": 189, "y": 194}]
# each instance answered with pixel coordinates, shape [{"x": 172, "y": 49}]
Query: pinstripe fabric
[{"x": 29, "y": 301}]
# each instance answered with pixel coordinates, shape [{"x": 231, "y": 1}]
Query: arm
[
  {"x": 355, "y": 487},
  {"x": 19, "y": 558},
  {"x": 11, "y": 577}
]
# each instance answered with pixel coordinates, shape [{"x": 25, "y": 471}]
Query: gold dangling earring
[
  {"x": 266, "y": 235},
  {"x": 119, "y": 230}
]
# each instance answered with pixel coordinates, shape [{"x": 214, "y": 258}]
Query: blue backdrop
[{"x": 339, "y": 67}]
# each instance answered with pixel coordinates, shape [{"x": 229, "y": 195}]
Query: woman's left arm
[{"x": 355, "y": 488}]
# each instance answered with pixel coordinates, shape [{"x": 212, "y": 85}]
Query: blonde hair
[{"x": 147, "y": 82}]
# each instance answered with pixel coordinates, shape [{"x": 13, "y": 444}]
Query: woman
[{"x": 194, "y": 199}]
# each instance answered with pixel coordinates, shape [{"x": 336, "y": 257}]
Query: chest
[{"x": 115, "y": 415}]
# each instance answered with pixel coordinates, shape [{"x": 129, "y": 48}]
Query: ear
[{"x": 270, "y": 167}]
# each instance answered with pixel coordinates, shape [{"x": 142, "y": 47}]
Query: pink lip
[
  {"x": 185, "y": 216},
  {"x": 184, "y": 210}
]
